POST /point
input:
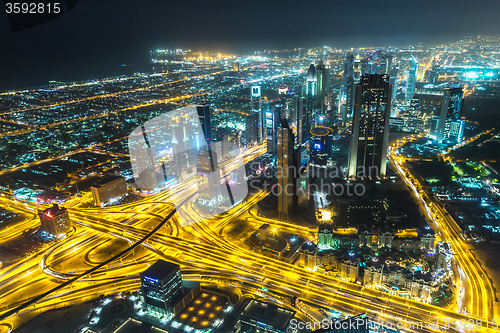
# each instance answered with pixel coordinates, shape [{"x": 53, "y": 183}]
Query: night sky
[{"x": 97, "y": 36}]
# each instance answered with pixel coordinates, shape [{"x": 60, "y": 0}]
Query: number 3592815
[{"x": 32, "y": 8}]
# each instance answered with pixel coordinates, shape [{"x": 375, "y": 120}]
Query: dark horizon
[{"x": 95, "y": 38}]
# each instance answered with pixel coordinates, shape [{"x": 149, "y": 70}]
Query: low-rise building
[
  {"x": 108, "y": 189},
  {"x": 54, "y": 221},
  {"x": 264, "y": 318}
]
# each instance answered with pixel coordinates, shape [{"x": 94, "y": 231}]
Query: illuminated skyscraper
[
  {"x": 286, "y": 170},
  {"x": 54, "y": 221},
  {"x": 370, "y": 128},
  {"x": 311, "y": 98},
  {"x": 301, "y": 119},
  {"x": 388, "y": 63},
  {"x": 410, "y": 82},
  {"x": 273, "y": 117},
  {"x": 450, "y": 125},
  {"x": 357, "y": 69},
  {"x": 206, "y": 122},
  {"x": 393, "y": 80},
  {"x": 321, "y": 147},
  {"x": 321, "y": 87},
  {"x": 348, "y": 88},
  {"x": 256, "y": 107},
  {"x": 209, "y": 187},
  {"x": 251, "y": 128}
]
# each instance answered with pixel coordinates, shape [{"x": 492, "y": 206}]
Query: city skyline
[{"x": 203, "y": 167}]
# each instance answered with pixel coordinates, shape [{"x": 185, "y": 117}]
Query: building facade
[
  {"x": 107, "y": 189},
  {"x": 161, "y": 287},
  {"x": 54, "y": 221},
  {"x": 370, "y": 128}
]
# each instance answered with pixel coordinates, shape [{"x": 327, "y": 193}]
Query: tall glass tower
[
  {"x": 412, "y": 78},
  {"x": 370, "y": 127},
  {"x": 450, "y": 125}
]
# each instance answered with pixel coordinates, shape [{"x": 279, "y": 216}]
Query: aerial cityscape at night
[{"x": 277, "y": 187}]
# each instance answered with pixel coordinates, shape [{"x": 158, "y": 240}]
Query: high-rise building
[
  {"x": 146, "y": 179},
  {"x": 161, "y": 287},
  {"x": 54, "y": 221},
  {"x": 273, "y": 117},
  {"x": 410, "y": 82},
  {"x": 209, "y": 187},
  {"x": 388, "y": 64},
  {"x": 357, "y": 69},
  {"x": 107, "y": 189},
  {"x": 311, "y": 93},
  {"x": 434, "y": 127},
  {"x": 263, "y": 317},
  {"x": 286, "y": 171},
  {"x": 321, "y": 147},
  {"x": 348, "y": 88},
  {"x": 206, "y": 122},
  {"x": 256, "y": 107},
  {"x": 301, "y": 119},
  {"x": 450, "y": 126},
  {"x": 456, "y": 131},
  {"x": 393, "y": 81},
  {"x": 321, "y": 87},
  {"x": 370, "y": 127},
  {"x": 291, "y": 103},
  {"x": 236, "y": 66},
  {"x": 251, "y": 128}
]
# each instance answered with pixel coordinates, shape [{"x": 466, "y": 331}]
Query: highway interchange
[{"x": 205, "y": 253}]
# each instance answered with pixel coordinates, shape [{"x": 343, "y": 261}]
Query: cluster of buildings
[{"x": 405, "y": 266}]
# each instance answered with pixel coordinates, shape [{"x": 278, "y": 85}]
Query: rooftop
[
  {"x": 106, "y": 179},
  {"x": 160, "y": 269},
  {"x": 268, "y": 314}
]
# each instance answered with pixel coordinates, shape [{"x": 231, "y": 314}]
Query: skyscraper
[
  {"x": 251, "y": 128},
  {"x": 286, "y": 170},
  {"x": 393, "y": 80},
  {"x": 321, "y": 87},
  {"x": 450, "y": 125},
  {"x": 54, "y": 221},
  {"x": 357, "y": 69},
  {"x": 388, "y": 63},
  {"x": 273, "y": 117},
  {"x": 311, "y": 91},
  {"x": 301, "y": 119},
  {"x": 205, "y": 120},
  {"x": 410, "y": 82},
  {"x": 321, "y": 147},
  {"x": 348, "y": 88},
  {"x": 209, "y": 187},
  {"x": 370, "y": 128},
  {"x": 256, "y": 107}
]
